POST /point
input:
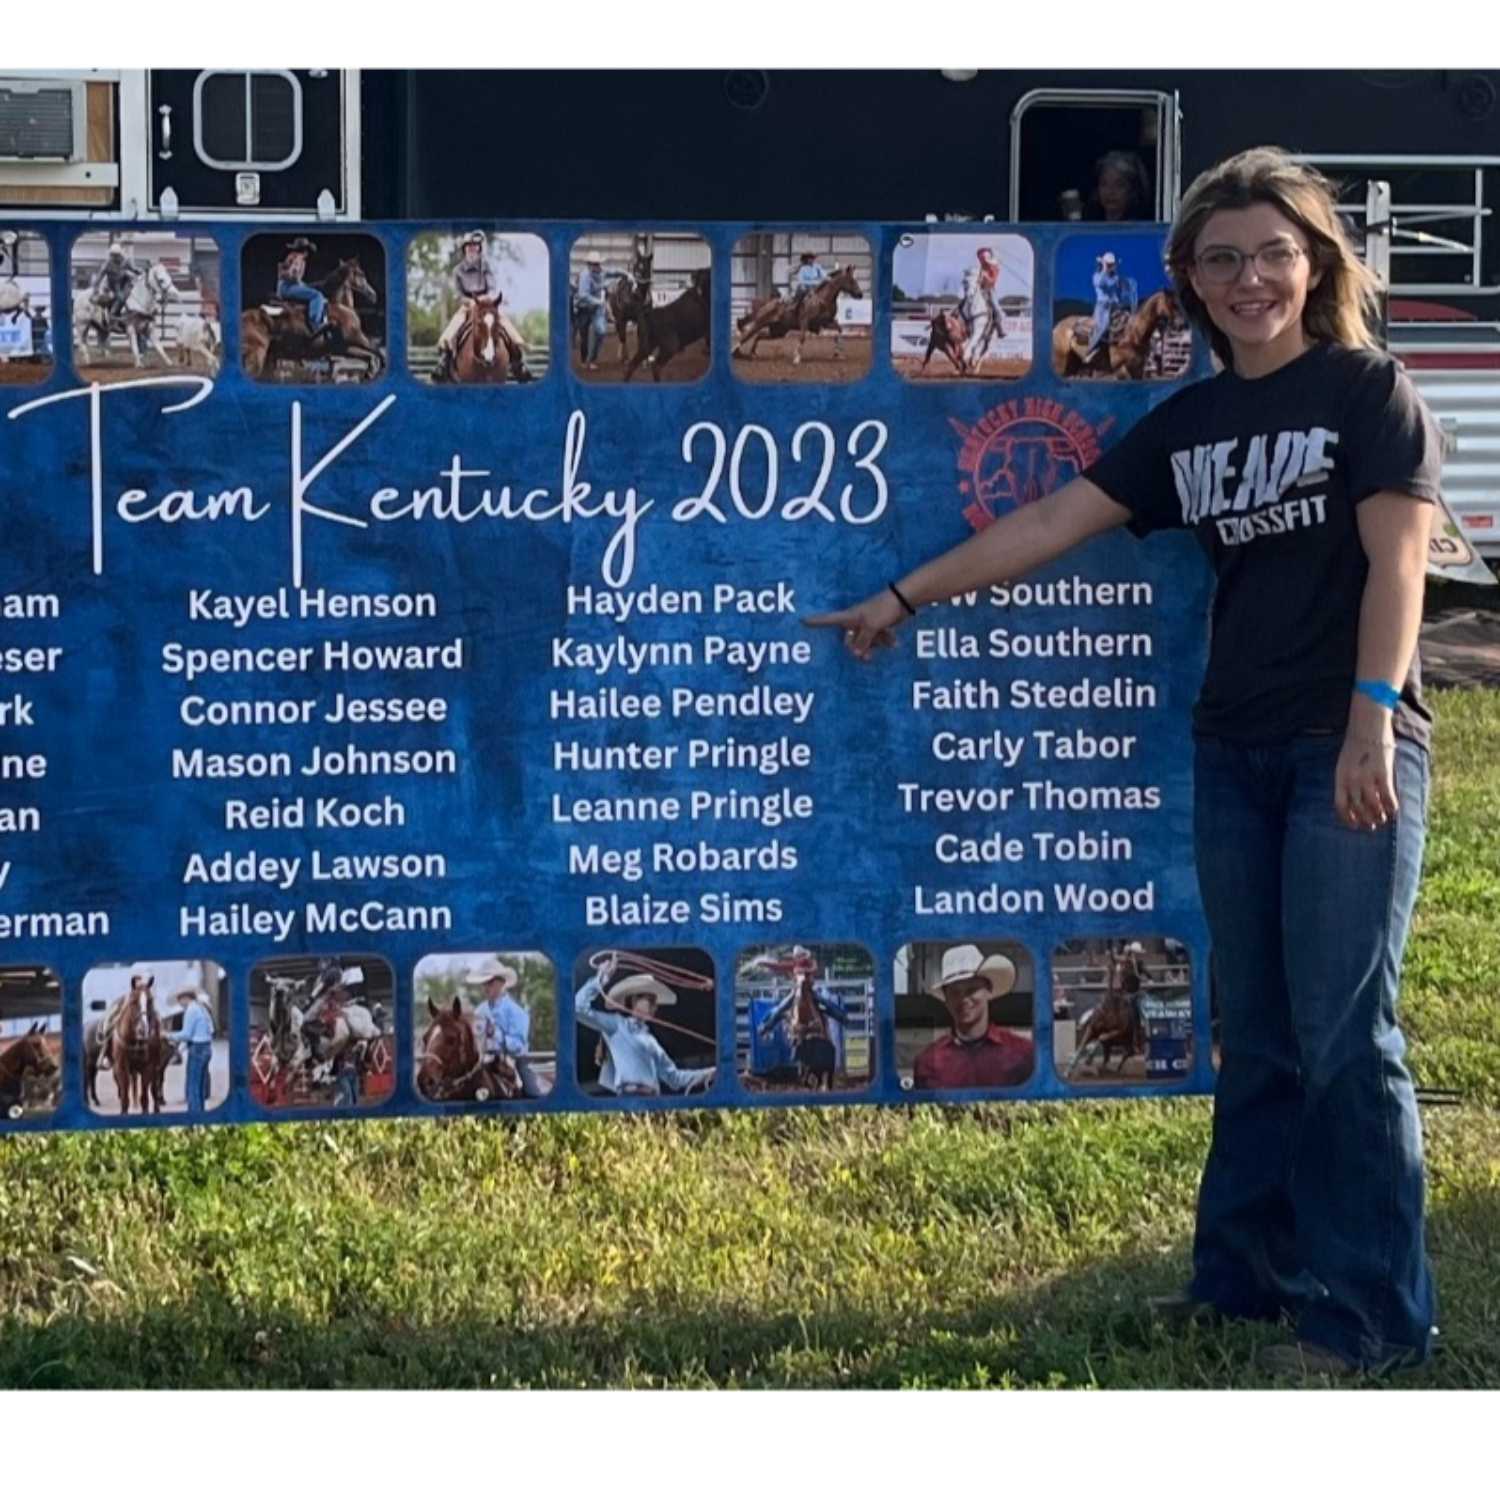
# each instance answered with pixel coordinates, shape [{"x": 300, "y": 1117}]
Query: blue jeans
[
  {"x": 299, "y": 291},
  {"x": 198, "y": 1058},
  {"x": 1312, "y": 1198}
]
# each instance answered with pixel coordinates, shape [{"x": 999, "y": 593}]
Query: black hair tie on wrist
[{"x": 902, "y": 597}]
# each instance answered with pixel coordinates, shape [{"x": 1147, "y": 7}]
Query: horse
[
  {"x": 965, "y": 332},
  {"x": 354, "y": 1026},
  {"x": 279, "y": 330},
  {"x": 199, "y": 343},
  {"x": 450, "y": 1068},
  {"x": 812, "y": 1046},
  {"x": 480, "y": 355},
  {"x": 627, "y": 296},
  {"x": 773, "y": 317},
  {"x": 30, "y": 1057},
  {"x": 137, "y": 1049},
  {"x": 149, "y": 293},
  {"x": 663, "y": 332},
  {"x": 1114, "y": 1023},
  {"x": 1127, "y": 346}
]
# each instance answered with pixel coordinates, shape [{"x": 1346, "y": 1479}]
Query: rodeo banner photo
[{"x": 408, "y": 707}]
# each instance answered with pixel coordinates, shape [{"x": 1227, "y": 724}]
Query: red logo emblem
[{"x": 1019, "y": 451}]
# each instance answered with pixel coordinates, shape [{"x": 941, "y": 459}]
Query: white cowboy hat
[
  {"x": 967, "y": 962},
  {"x": 474, "y": 237},
  {"x": 490, "y": 968},
  {"x": 351, "y": 977},
  {"x": 1108, "y": 259},
  {"x": 640, "y": 984}
]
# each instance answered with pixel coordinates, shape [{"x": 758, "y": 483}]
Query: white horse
[
  {"x": 152, "y": 290},
  {"x": 980, "y": 318}
]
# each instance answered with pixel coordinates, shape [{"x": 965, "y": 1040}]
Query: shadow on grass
[{"x": 1079, "y": 1329}]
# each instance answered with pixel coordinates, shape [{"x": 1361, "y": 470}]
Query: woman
[
  {"x": 1122, "y": 189},
  {"x": 1307, "y": 468}
]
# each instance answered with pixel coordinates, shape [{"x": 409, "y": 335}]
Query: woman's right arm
[{"x": 1013, "y": 546}]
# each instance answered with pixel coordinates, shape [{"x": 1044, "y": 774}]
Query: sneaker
[
  {"x": 1302, "y": 1359},
  {"x": 1180, "y": 1310}
]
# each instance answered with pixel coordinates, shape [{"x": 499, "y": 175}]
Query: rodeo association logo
[{"x": 1019, "y": 451}]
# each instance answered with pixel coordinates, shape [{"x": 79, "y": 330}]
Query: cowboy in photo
[
  {"x": 806, "y": 1011},
  {"x": 808, "y": 276},
  {"x": 1111, "y": 291},
  {"x": 196, "y": 1033},
  {"x": 112, "y": 285},
  {"x": 473, "y": 277},
  {"x": 589, "y": 310},
  {"x": 637, "y": 1064},
  {"x": 502, "y": 1021},
  {"x": 291, "y": 284},
  {"x": 975, "y": 1053},
  {"x": 331, "y": 992}
]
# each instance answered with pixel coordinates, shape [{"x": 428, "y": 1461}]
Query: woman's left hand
[{"x": 1364, "y": 782}]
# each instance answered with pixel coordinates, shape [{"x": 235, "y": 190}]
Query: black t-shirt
[{"x": 1268, "y": 473}]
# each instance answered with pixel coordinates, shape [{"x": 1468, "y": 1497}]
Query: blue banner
[{"x": 404, "y": 711}]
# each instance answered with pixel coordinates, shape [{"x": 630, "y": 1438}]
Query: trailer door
[{"x": 248, "y": 139}]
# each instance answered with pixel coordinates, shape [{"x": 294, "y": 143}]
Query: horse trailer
[{"x": 1413, "y": 151}]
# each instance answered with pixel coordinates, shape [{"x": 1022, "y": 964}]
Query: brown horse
[
  {"x": 450, "y": 1068},
  {"x": 663, "y": 332},
  {"x": 279, "y": 330},
  {"x": 947, "y": 336},
  {"x": 28, "y": 1058},
  {"x": 775, "y": 317},
  {"x": 482, "y": 357},
  {"x": 1115, "y": 1023},
  {"x": 138, "y": 1051},
  {"x": 1123, "y": 355},
  {"x": 812, "y": 1046}
]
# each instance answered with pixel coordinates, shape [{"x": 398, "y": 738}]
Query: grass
[{"x": 917, "y": 1247}]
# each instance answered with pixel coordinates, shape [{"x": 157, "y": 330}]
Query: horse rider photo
[
  {"x": 113, "y": 282},
  {"x": 622, "y": 1012},
  {"x": 976, "y": 1053},
  {"x": 502, "y": 1023},
  {"x": 475, "y": 277},
  {"x": 316, "y": 328},
  {"x": 292, "y": 286},
  {"x": 1112, "y": 292}
]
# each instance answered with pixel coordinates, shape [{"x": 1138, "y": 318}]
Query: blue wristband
[{"x": 1382, "y": 692}]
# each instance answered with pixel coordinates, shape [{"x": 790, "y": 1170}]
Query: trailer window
[
  {"x": 248, "y": 119},
  {"x": 1066, "y": 146}
]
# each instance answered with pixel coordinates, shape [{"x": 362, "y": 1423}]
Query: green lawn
[{"x": 1003, "y": 1246}]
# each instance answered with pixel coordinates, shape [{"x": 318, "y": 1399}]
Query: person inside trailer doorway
[
  {"x": 1311, "y": 744},
  {"x": 474, "y": 276},
  {"x": 291, "y": 284},
  {"x": 1122, "y": 189}
]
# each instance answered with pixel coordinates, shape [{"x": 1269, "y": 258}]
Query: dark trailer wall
[{"x": 848, "y": 144}]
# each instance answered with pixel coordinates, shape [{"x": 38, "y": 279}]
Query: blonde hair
[{"x": 1343, "y": 307}]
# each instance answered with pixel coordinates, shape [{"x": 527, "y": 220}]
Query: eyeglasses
[{"x": 1224, "y": 263}]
